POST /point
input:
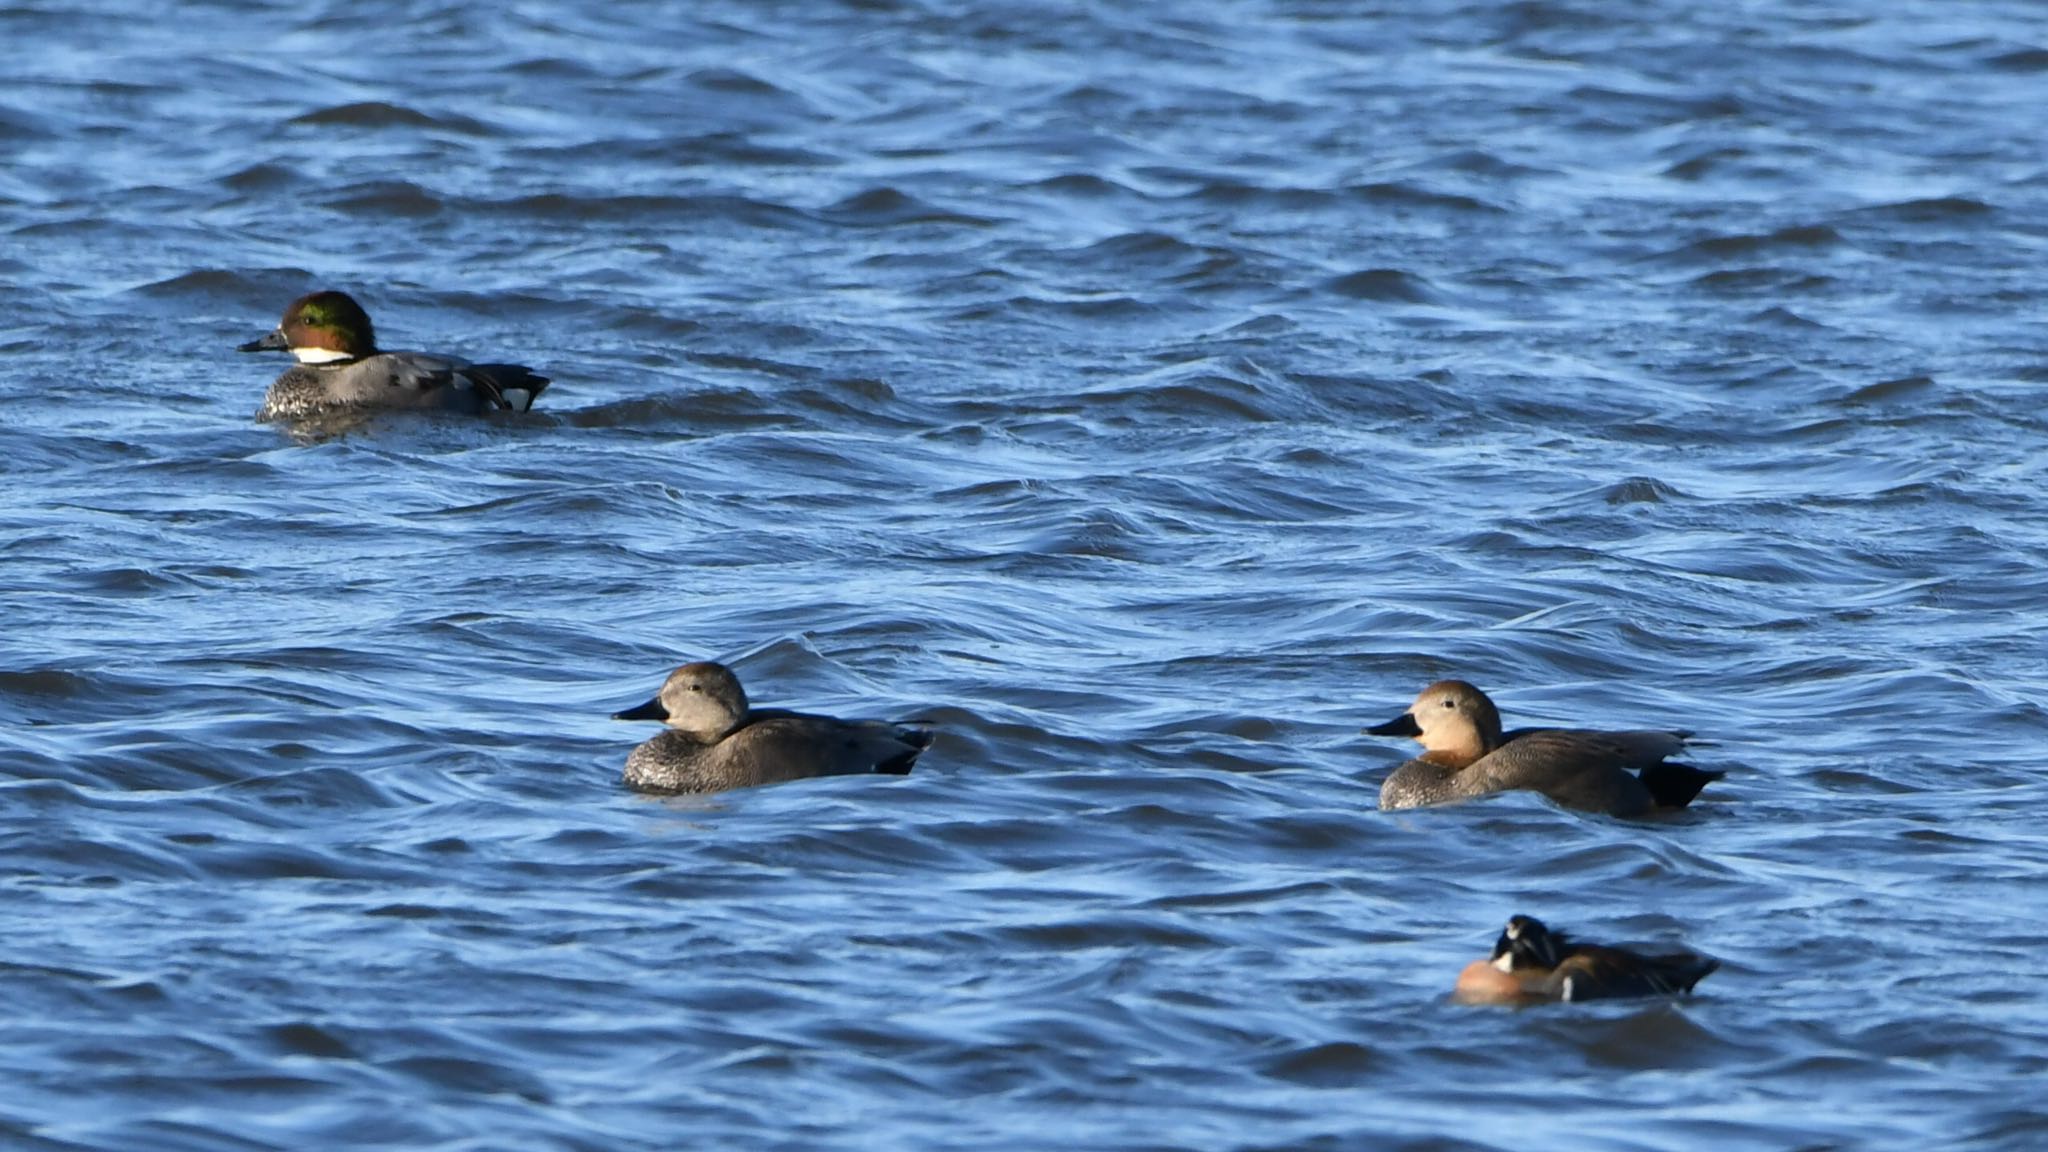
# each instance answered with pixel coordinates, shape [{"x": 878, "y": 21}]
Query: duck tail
[
  {"x": 915, "y": 736},
  {"x": 1675, "y": 785},
  {"x": 1683, "y": 971},
  {"x": 513, "y": 387}
]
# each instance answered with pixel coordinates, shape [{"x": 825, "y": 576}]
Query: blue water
[{"x": 1151, "y": 395}]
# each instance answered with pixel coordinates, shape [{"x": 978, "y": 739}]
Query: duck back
[{"x": 772, "y": 746}]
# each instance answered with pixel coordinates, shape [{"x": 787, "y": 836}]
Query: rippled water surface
[{"x": 1151, "y": 395}]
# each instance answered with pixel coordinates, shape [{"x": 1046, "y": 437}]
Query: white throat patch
[{"x": 319, "y": 355}]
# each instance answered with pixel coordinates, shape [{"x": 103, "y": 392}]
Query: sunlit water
[{"x": 1152, "y": 396}]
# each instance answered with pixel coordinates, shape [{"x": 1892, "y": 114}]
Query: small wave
[
  {"x": 387, "y": 198},
  {"x": 1243, "y": 195},
  {"x": 1405, "y": 194},
  {"x": 1935, "y": 210},
  {"x": 2019, "y": 60},
  {"x": 1781, "y": 317},
  {"x": 1803, "y": 238},
  {"x": 695, "y": 211},
  {"x": 1710, "y": 162},
  {"x": 215, "y": 283},
  {"x": 1639, "y": 490},
  {"x": 20, "y": 127},
  {"x": 1083, "y": 185},
  {"x": 1887, "y": 390},
  {"x": 733, "y": 81},
  {"x": 1389, "y": 285},
  {"x": 890, "y": 207},
  {"x": 258, "y": 178},
  {"x": 378, "y": 114},
  {"x": 53, "y": 683}
]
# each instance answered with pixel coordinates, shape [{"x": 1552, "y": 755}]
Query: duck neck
[{"x": 1458, "y": 756}]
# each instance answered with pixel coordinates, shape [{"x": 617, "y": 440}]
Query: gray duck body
[
  {"x": 419, "y": 381},
  {"x": 340, "y": 369}
]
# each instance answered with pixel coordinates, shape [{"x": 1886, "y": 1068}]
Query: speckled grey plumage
[
  {"x": 400, "y": 380},
  {"x": 1619, "y": 773},
  {"x": 771, "y": 748},
  {"x": 716, "y": 742}
]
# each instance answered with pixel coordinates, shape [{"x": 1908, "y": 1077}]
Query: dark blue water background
[{"x": 1151, "y": 394}]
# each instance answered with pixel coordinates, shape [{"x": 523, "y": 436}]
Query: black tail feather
[
  {"x": 898, "y": 766},
  {"x": 1674, "y": 785},
  {"x": 513, "y": 387},
  {"x": 916, "y": 737},
  {"x": 1690, "y": 970}
]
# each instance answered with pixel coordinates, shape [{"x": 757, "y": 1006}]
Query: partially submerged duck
[
  {"x": 1531, "y": 962},
  {"x": 1466, "y": 755},
  {"x": 340, "y": 368},
  {"x": 715, "y": 741}
]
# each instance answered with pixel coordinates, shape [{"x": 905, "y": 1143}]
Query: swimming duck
[
  {"x": 340, "y": 367},
  {"x": 1467, "y": 755},
  {"x": 1531, "y": 962},
  {"x": 715, "y": 741}
]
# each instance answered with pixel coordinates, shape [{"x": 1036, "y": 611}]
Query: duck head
[
  {"x": 321, "y": 328},
  {"x": 703, "y": 699},
  {"x": 1526, "y": 943},
  {"x": 1450, "y": 718}
]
